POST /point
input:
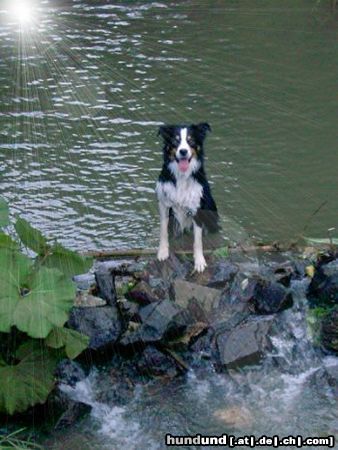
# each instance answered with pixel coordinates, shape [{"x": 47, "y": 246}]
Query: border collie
[{"x": 182, "y": 189}]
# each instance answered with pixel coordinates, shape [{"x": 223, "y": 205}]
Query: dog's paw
[
  {"x": 200, "y": 264},
  {"x": 163, "y": 253}
]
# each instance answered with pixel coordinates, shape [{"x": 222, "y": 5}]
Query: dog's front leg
[
  {"x": 163, "y": 249},
  {"x": 199, "y": 261}
]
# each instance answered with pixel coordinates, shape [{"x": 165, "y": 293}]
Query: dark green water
[{"x": 84, "y": 88}]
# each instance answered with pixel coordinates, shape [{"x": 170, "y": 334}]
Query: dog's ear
[
  {"x": 202, "y": 129},
  {"x": 165, "y": 131}
]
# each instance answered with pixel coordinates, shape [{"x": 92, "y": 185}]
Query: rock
[
  {"x": 244, "y": 344},
  {"x": 105, "y": 284},
  {"x": 235, "y": 417},
  {"x": 84, "y": 300},
  {"x": 329, "y": 331},
  {"x": 199, "y": 300},
  {"x": 69, "y": 372},
  {"x": 261, "y": 294},
  {"x": 270, "y": 297},
  {"x": 323, "y": 288},
  {"x": 129, "y": 310},
  {"x": 84, "y": 281},
  {"x": 74, "y": 411},
  {"x": 160, "y": 321},
  {"x": 169, "y": 269},
  {"x": 155, "y": 363},
  {"x": 102, "y": 325},
  {"x": 222, "y": 274},
  {"x": 144, "y": 294}
]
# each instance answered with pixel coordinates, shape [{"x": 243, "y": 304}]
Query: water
[
  {"x": 84, "y": 88},
  {"x": 293, "y": 397}
]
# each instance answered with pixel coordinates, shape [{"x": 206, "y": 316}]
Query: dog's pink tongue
[{"x": 183, "y": 165}]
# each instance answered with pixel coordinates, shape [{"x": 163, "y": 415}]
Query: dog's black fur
[
  {"x": 183, "y": 190},
  {"x": 207, "y": 215}
]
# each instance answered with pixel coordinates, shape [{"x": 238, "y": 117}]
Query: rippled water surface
[{"x": 85, "y": 87}]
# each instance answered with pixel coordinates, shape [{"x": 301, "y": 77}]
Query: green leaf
[
  {"x": 27, "y": 383},
  {"x": 31, "y": 237},
  {"x": 4, "y": 213},
  {"x": 69, "y": 262},
  {"x": 33, "y": 300},
  {"x": 7, "y": 242},
  {"x": 326, "y": 241},
  {"x": 73, "y": 341}
]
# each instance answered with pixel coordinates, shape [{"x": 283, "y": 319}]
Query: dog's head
[{"x": 183, "y": 146}]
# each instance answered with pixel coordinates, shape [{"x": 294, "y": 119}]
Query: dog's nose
[{"x": 183, "y": 152}]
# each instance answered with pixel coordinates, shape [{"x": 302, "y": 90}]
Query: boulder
[
  {"x": 222, "y": 274},
  {"x": 323, "y": 288},
  {"x": 199, "y": 300},
  {"x": 160, "y": 321},
  {"x": 74, "y": 412},
  {"x": 245, "y": 343},
  {"x": 69, "y": 372},
  {"x": 84, "y": 300},
  {"x": 102, "y": 324},
  {"x": 105, "y": 284},
  {"x": 84, "y": 281},
  {"x": 155, "y": 363},
  {"x": 329, "y": 331},
  {"x": 261, "y": 294},
  {"x": 270, "y": 297},
  {"x": 144, "y": 294}
]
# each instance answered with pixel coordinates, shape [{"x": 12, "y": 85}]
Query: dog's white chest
[{"x": 184, "y": 198}]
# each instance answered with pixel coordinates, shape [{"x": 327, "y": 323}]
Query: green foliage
[
  {"x": 32, "y": 299},
  {"x": 69, "y": 262},
  {"x": 26, "y": 383},
  {"x": 4, "y": 213},
  {"x": 8, "y": 243},
  {"x": 36, "y": 296},
  {"x": 31, "y": 237},
  {"x": 73, "y": 342},
  {"x": 314, "y": 318},
  {"x": 13, "y": 441}
]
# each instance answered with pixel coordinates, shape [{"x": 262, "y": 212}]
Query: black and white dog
[{"x": 182, "y": 188}]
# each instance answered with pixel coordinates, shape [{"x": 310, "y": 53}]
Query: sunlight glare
[{"x": 22, "y": 11}]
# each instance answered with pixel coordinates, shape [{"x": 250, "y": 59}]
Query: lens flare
[{"x": 22, "y": 11}]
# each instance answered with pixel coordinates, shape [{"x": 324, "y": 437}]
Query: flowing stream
[{"x": 290, "y": 393}]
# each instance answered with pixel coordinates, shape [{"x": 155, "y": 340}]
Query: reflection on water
[{"x": 85, "y": 87}]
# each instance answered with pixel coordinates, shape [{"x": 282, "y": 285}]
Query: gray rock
[
  {"x": 323, "y": 288},
  {"x": 329, "y": 331},
  {"x": 103, "y": 325},
  {"x": 84, "y": 300},
  {"x": 244, "y": 344},
  {"x": 222, "y": 273},
  {"x": 270, "y": 297},
  {"x": 74, "y": 411},
  {"x": 188, "y": 295},
  {"x": 155, "y": 363},
  {"x": 161, "y": 321},
  {"x": 144, "y": 294},
  {"x": 84, "y": 281},
  {"x": 105, "y": 284},
  {"x": 69, "y": 372},
  {"x": 260, "y": 294}
]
